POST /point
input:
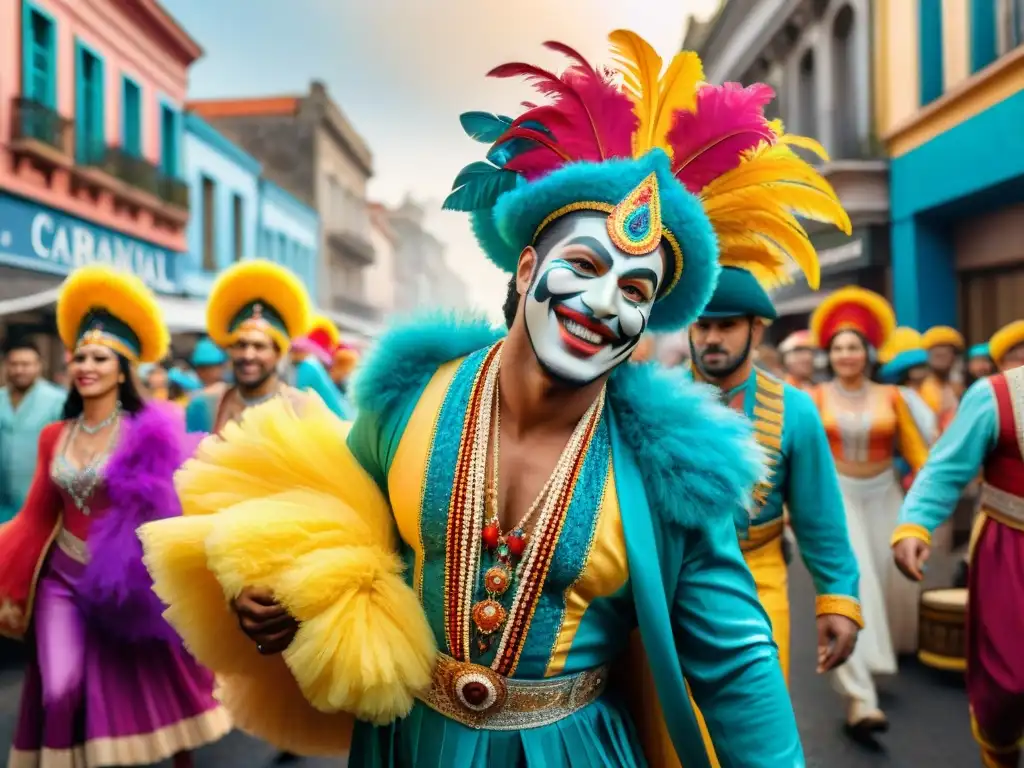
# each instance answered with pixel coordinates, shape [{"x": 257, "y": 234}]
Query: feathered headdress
[
  {"x": 903, "y": 350},
  {"x": 673, "y": 161},
  {"x": 943, "y": 335},
  {"x": 101, "y": 305},
  {"x": 321, "y": 340},
  {"x": 853, "y": 309},
  {"x": 1005, "y": 339},
  {"x": 260, "y": 295}
]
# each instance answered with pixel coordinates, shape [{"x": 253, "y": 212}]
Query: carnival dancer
[
  {"x": 312, "y": 355},
  {"x": 801, "y": 474},
  {"x": 865, "y": 424},
  {"x": 254, "y": 310},
  {"x": 209, "y": 362},
  {"x": 904, "y": 362},
  {"x": 940, "y": 389},
  {"x": 346, "y": 358},
  {"x": 979, "y": 363},
  {"x": 797, "y": 352},
  {"x": 985, "y": 436},
  {"x": 547, "y": 498},
  {"x": 108, "y": 682}
]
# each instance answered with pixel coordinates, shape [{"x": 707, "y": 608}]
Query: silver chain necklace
[{"x": 113, "y": 417}]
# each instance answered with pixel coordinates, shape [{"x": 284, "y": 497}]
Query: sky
[{"x": 403, "y": 70}]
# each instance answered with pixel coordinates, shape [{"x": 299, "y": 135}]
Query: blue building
[
  {"x": 236, "y": 214},
  {"x": 289, "y": 232},
  {"x": 956, "y": 104}
]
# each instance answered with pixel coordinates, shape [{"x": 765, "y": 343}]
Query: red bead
[
  {"x": 516, "y": 544},
  {"x": 491, "y": 534}
]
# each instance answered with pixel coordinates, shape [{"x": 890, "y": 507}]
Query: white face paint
[{"x": 589, "y": 302}]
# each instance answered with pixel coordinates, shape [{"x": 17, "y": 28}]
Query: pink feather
[
  {"x": 728, "y": 121},
  {"x": 590, "y": 118},
  {"x": 567, "y": 51}
]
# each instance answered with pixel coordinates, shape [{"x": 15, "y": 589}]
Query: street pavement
[{"x": 927, "y": 710}]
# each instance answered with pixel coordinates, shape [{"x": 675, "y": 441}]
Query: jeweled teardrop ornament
[{"x": 635, "y": 223}]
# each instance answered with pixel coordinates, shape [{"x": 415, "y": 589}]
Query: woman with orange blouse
[{"x": 868, "y": 424}]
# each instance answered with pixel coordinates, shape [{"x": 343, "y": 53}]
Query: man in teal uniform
[
  {"x": 801, "y": 473},
  {"x": 548, "y": 499},
  {"x": 27, "y": 404}
]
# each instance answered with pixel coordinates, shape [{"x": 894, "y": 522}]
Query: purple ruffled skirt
[{"x": 89, "y": 702}]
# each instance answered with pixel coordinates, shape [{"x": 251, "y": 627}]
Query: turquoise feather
[
  {"x": 483, "y": 126},
  {"x": 478, "y": 186}
]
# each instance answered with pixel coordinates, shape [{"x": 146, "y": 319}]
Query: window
[
  {"x": 282, "y": 250},
  {"x": 238, "y": 225},
  {"x": 930, "y": 51},
  {"x": 90, "y": 144},
  {"x": 169, "y": 123},
  {"x": 39, "y": 58},
  {"x": 131, "y": 118},
  {"x": 209, "y": 225},
  {"x": 263, "y": 251},
  {"x": 1010, "y": 23}
]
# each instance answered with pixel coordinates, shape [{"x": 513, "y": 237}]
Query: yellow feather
[
  {"x": 779, "y": 233},
  {"x": 656, "y": 98},
  {"x": 805, "y": 142}
]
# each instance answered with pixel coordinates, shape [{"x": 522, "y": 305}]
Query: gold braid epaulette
[{"x": 769, "y": 411}]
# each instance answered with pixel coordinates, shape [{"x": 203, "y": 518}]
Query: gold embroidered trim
[
  {"x": 911, "y": 531},
  {"x": 769, "y": 412},
  {"x": 839, "y": 605}
]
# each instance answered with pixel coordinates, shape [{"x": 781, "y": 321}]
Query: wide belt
[
  {"x": 478, "y": 697},
  {"x": 1006, "y": 508},
  {"x": 72, "y": 546},
  {"x": 759, "y": 535}
]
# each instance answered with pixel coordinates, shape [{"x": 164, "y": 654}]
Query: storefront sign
[{"x": 44, "y": 240}]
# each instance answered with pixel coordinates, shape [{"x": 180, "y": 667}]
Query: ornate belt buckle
[{"x": 478, "y": 690}]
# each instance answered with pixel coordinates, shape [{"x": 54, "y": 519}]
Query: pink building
[{"x": 91, "y": 98}]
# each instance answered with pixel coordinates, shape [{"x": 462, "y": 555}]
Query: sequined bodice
[{"x": 83, "y": 494}]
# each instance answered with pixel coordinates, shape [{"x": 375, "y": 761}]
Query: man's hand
[
  {"x": 264, "y": 621},
  {"x": 911, "y": 554},
  {"x": 837, "y": 637}
]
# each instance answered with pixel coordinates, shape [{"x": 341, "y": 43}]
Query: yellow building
[{"x": 949, "y": 102}]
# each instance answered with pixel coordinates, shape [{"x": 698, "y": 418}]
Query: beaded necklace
[{"x": 489, "y": 615}]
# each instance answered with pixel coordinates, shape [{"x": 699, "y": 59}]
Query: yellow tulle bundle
[{"x": 280, "y": 502}]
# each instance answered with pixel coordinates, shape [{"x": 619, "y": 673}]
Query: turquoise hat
[
  {"x": 896, "y": 369},
  {"x": 978, "y": 350},
  {"x": 739, "y": 294},
  {"x": 207, "y": 353},
  {"x": 189, "y": 382}
]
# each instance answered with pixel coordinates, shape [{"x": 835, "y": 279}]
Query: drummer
[{"x": 985, "y": 436}]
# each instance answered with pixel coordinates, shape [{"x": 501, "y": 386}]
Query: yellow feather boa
[{"x": 280, "y": 502}]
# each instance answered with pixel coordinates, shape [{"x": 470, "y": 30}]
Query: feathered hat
[
  {"x": 853, "y": 309},
  {"x": 796, "y": 340},
  {"x": 903, "y": 350},
  {"x": 1005, "y": 339},
  {"x": 670, "y": 160},
  {"x": 943, "y": 335},
  {"x": 320, "y": 341},
  {"x": 100, "y": 305},
  {"x": 258, "y": 295}
]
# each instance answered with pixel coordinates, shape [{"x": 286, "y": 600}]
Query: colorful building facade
[
  {"x": 950, "y": 96},
  {"x": 288, "y": 232},
  {"x": 90, "y": 150}
]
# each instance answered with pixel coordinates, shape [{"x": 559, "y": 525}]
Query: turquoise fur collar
[{"x": 698, "y": 457}]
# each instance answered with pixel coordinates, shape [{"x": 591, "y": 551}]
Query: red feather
[
  {"x": 566, "y": 50},
  {"x": 728, "y": 121},
  {"x": 590, "y": 117}
]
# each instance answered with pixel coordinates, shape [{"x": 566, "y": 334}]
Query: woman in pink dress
[{"x": 109, "y": 682}]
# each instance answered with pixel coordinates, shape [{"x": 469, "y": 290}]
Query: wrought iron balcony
[
  {"x": 138, "y": 173},
  {"x": 36, "y": 123},
  {"x": 173, "y": 191}
]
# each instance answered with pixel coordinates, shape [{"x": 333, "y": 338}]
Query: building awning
[
  {"x": 801, "y": 305},
  {"x": 30, "y": 302}
]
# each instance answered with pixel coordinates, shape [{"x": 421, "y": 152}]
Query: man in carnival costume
[
  {"x": 979, "y": 363},
  {"x": 547, "y": 498},
  {"x": 939, "y": 390},
  {"x": 903, "y": 361},
  {"x": 985, "y": 436},
  {"x": 209, "y": 362},
  {"x": 312, "y": 355},
  {"x": 254, "y": 310}
]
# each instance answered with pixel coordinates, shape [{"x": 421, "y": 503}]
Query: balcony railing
[
  {"x": 33, "y": 121},
  {"x": 136, "y": 172}
]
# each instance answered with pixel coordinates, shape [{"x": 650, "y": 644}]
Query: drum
[{"x": 943, "y": 625}]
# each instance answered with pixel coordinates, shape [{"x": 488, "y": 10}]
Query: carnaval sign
[{"x": 44, "y": 240}]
